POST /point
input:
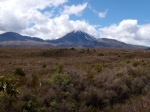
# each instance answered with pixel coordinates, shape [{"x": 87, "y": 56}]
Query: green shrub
[
  {"x": 19, "y": 72},
  {"x": 35, "y": 81},
  {"x": 136, "y": 63},
  {"x": 81, "y": 50},
  {"x": 6, "y": 86},
  {"x": 129, "y": 55},
  {"x": 31, "y": 106},
  {"x": 72, "y": 48},
  {"x": 100, "y": 54},
  {"x": 99, "y": 67},
  {"x": 53, "y": 103},
  {"x": 60, "y": 79},
  {"x": 44, "y": 65},
  {"x": 58, "y": 68}
]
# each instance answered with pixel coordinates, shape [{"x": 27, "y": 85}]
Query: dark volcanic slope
[
  {"x": 11, "y": 36},
  {"x": 11, "y": 39},
  {"x": 82, "y": 39},
  {"x": 77, "y": 39},
  {"x": 117, "y": 44},
  {"x": 72, "y": 39}
]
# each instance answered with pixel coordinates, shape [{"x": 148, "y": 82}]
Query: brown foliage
[{"x": 76, "y": 80}]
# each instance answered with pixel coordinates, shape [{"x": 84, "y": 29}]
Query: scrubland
[{"x": 74, "y": 80}]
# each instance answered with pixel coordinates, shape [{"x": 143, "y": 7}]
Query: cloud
[
  {"x": 128, "y": 31},
  {"x": 103, "y": 14},
  {"x": 28, "y": 18},
  {"x": 76, "y": 10},
  {"x": 59, "y": 26},
  {"x": 16, "y": 15},
  {"x": 99, "y": 14}
]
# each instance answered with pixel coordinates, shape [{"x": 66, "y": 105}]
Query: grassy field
[{"x": 74, "y": 80}]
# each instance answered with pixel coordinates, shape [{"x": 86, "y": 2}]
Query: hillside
[{"x": 77, "y": 39}]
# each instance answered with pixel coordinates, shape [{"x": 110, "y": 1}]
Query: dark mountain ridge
[
  {"x": 12, "y": 36},
  {"x": 73, "y": 39},
  {"x": 77, "y": 39}
]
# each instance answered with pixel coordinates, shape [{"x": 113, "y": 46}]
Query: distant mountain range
[{"x": 73, "y": 39}]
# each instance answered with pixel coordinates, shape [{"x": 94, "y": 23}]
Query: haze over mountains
[{"x": 73, "y": 39}]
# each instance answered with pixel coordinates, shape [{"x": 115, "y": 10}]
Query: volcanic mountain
[
  {"x": 76, "y": 39},
  {"x": 12, "y": 39},
  {"x": 82, "y": 39},
  {"x": 11, "y": 36}
]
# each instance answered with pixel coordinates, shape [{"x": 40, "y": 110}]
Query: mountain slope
[
  {"x": 82, "y": 39},
  {"x": 11, "y": 36},
  {"x": 118, "y": 44},
  {"x": 77, "y": 39},
  {"x": 73, "y": 39},
  {"x": 11, "y": 39}
]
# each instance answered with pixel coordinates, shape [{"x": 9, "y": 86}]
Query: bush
[
  {"x": 44, "y": 65},
  {"x": 62, "y": 80},
  {"x": 19, "y": 72},
  {"x": 129, "y": 56},
  {"x": 7, "y": 87},
  {"x": 100, "y": 54},
  {"x": 81, "y": 50},
  {"x": 31, "y": 106},
  {"x": 72, "y": 48},
  {"x": 35, "y": 81}
]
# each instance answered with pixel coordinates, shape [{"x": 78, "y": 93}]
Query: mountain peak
[
  {"x": 76, "y": 38},
  {"x": 11, "y": 34},
  {"x": 79, "y": 36},
  {"x": 77, "y": 31}
]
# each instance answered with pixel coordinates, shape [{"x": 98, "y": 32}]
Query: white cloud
[
  {"x": 103, "y": 14},
  {"x": 99, "y": 14},
  {"x": 19, "y": 16},
  {"x": 59, "y": 26},
  {"x": 74, "y": 9},
  {"x": 128, "y": 31}
]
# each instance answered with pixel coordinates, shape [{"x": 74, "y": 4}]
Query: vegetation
[
  {"x": 74, "y": 80},
  {"x": 19, "y": 71}
]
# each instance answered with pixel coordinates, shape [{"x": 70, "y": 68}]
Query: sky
[{"x": 124, "y": 20}]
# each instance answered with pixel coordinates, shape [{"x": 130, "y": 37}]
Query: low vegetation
[{"x": 74, "y": 80}]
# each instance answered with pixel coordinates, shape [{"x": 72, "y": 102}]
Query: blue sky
[
  {"x": 127, "y": 21},
  {"x": 118, "y": 10}
]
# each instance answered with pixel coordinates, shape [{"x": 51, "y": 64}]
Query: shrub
[
  {"x": 53, "y": 103},
  {"x": 31, "y": 106},
  {"x": 129, "y": 55},
  {"x": 19, "y": 72},
  {"x": 60, "y": 79},
  {"x": 139, "y": 104},
  {"x": 58, "y": 68},
  {"x": 6, "y": 86},
  {"x": 35, "y": 81},
  {"x": 100, "y": 54},
  {"x": 72, "y": 48},
  {"x": 81, "y": 50},
  {"x": 137, "y": 85},
  {"x": 44, "y": 65},
  {"x": 99, "y": 67}
]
